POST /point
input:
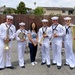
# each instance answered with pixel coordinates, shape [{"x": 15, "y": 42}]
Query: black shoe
[
  {"x": 22, "y": 66},
  {"x": 1, "y": 68},
  {"x": 71, "y": 68},
  {"x": 48, "y": 66},
  {"x": 53, "y": 63},
  {"x": 66, "y": 64},
  {"x": 10, "y": 67},
  {"x": 43, "y": 63},
  {"x": 59, "y": 67}
]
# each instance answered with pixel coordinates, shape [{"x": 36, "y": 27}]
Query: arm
[
  {"x": 2, "y": 36},
  {"x": 30, "y": 39},
  {"x": 62, "y": 31},
  {"x": 17, "y": 38},
  {"x": 50, "y": 32},
  {"x": 13, "y": 33},
  {"x": 39, "y": 36}
]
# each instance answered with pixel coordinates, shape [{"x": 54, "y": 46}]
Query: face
[
  {"x": 9, "y": 21},
  {"x": 33, "y": 25},
  {"x": 67, "y": 22},
  {"x": 44, "y": 24},
  {"x": 22, "y": 27},
  {"x": 55, "y": 21}
]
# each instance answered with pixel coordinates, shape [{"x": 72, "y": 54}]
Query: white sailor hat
[
  {"x": 55, "y": 18},
  {"x": 22, "y": 24},
  {"x": 67, "y": 18},
  {"x": 44, "y": 20},
  {"x": 9, "y": 17}
]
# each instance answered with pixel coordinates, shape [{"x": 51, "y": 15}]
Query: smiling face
[
  {"x": 44, "y": 23},
  {"x": 9, "y": 21},
  {"x": 67, "y": 22},
  {"x": 22, "y": 26},
  {"x": 33, "y": 26}
]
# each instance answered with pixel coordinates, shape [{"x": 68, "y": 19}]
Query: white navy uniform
[
  {"x": 57, "y": 42},
  {"x": 6, "y": 53},
  {"x": 70, "y": 58},
  {"x": 45, "y": 48},
  {"x": 21, "y": 45}
]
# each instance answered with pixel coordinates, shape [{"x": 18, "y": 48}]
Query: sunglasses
[
  {"x": 9, "y": 19},
  {"x": 67, "y": 20}
]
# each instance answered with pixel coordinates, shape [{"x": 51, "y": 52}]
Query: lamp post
[{"x": 35, "y": 4}]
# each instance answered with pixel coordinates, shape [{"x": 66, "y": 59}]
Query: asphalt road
[{"x": 37, "y": 69}]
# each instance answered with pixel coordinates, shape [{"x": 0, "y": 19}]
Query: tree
[
  {"x": 38, "y": 11},
  {"x": 21, "y": 9},
  {"x": 9, "y": 11}
]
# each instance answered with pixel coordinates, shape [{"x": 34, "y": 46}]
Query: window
[
  {"x": 70, "y": 12},
  {"x": 63, "y": 11}
]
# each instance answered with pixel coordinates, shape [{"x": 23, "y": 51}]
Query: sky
[{"x": 42, "y": 3}]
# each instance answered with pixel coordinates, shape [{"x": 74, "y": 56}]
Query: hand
[
  {"x": 34, "y": 44},
  {"x": 55, "y": 35},
  {"x": 50, "y": 43},
  {"x": 74, "y": 38},
  {"x": 22, "y": 40},
  {"x": 6, "y": 40},
  {"x": 40, "y": 44},
  {"x": 44, "y": 35}
]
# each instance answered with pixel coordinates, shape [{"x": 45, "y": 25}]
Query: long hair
[{"x": 32, "y": 28}]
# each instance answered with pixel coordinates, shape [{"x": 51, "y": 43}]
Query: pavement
[{"x": 37, "y": 69}]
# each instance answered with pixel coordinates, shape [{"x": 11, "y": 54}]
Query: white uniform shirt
[
  {"x": 59, "y": 30},
  {"x": 18, "y": 31},
  {"x": 40, "y": 34},
  {"x": 68, "y": 36},
  {"x": 3, "y": 30}
]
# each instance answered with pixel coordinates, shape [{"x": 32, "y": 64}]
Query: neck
[
  {"x": 8, "y": 23},
  {"x": 67, "y": 24},
  {"x": 44, "y": 26}
]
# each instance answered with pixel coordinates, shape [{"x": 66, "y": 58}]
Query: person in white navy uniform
[
  {"x": 21, "y": 40},
  {"x": 43, "y": 39},
  {"x": 70, "y": 58},
  {"x": 3, "y": 39},
  {"x": 57, "y": 31}
]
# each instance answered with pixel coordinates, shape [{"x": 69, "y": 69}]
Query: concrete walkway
[{"x": 34, "y": 70}]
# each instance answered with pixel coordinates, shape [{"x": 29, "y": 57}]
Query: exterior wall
[
  {"x": 66, "y": 13},
  {"x": 2, "y": 10},
  {"x": 55, "y": 12}
]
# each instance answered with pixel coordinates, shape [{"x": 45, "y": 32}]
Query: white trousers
[
  {"x": 5, "y": 56},
  {"x": 70, "y": 58},
  {"x": 56, "y": 49},
  {"x": 21, "y": 49},
  {"x": 45, "y": 50}
]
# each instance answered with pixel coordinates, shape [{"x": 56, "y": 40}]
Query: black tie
[
  {"x": 54, "y": 28},
  {"x": 67, "y": 30}
]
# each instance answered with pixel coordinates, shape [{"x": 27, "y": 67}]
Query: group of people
[{"x": 55, "y": 34}]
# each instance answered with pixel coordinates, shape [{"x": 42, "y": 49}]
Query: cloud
[{"x": 43, "y": 3}]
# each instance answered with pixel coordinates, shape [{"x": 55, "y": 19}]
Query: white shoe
[{"x": 33, "y": 63}]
